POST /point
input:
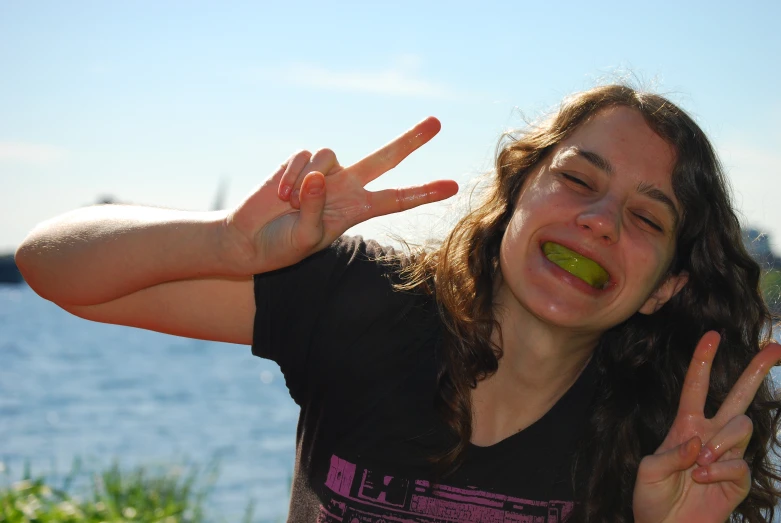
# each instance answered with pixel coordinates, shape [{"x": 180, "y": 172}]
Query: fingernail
[
  {"x": 285, "y": 191},
  {"x": 296, "y": 194},
  {"x": 315, "y": 187},
  {"x": 701, "y": 473},
  {"x": 705, "y": 457}
]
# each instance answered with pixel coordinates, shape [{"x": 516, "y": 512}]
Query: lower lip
[{"x": 572, "y": 279}]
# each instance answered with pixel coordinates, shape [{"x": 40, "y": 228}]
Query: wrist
[{"x": 235, "y": 252}]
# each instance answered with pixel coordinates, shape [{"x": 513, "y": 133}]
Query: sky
[{"x": 158, "y": 103}]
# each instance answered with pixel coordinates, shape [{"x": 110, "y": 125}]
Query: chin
[{"x": 566, "y": 315}]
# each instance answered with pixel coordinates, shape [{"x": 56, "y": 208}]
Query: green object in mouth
[{"x": 576, "y": 264}]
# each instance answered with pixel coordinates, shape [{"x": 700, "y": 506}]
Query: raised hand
[
  {"x": 300, "y": 209},
  {"x": 687, "y": 480}
]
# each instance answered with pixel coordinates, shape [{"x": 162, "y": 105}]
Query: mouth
[{"x": 576, "y": 264}]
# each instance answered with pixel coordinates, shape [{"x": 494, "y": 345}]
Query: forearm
[{"x": 96, "y": 254}]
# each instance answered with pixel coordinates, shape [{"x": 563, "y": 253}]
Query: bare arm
[
  {"x": 215, "y": 309},
  {"x": 190, "y": 273},
  {"x": 97, "y": 254}
]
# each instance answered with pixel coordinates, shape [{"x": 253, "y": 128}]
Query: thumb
[
  {"x": 309, "y": 226},
  {"x": 659, "y": 467}
]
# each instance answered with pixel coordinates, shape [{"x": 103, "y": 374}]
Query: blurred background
[{"x": 191, "y": 105}]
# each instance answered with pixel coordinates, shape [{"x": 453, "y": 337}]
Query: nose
[{"x": 602, "y": 219}]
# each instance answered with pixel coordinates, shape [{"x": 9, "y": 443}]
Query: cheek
[
  {"x": 523, "y": 224},
  {"x": 515, "y": 228},
  {"x": 535, "y": 203},
  {"x": 514, "y": 248},
  {"x": 655, "y": 261},
  {"x": 509, "y": 249}
]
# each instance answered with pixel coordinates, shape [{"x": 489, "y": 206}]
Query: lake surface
[{"x": 74, "y": 388}]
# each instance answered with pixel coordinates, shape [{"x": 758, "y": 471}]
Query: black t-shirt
[{"x": 360, "y": 359}]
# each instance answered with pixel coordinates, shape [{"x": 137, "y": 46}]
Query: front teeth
[{"x": 576, "y": 264}]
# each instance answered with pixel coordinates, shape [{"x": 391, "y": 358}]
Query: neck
[
  {"x": 536, "y": 352},
  {"x": 540, "y": 362}
]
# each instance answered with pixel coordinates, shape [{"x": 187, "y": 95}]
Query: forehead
[{"x": 622, "y": 137}]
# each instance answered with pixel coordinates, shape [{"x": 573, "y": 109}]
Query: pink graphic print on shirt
[{"x": 363, "y": 496}]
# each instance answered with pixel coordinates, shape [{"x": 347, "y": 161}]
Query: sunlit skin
[
  {"x": 312, "y": 199},
  {"x": 698, "y": 474},
  {"x": 606, "y": 193},
  {"x": 585, "y": 196},
  {"x": 571, "y": 201}
]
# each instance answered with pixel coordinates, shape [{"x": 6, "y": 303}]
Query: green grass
[{"x": 148, "y": 494}]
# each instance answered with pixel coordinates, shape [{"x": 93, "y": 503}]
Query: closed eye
[
  {"x": 575, "y": 179},
  {"x": 649, "y": 223}
]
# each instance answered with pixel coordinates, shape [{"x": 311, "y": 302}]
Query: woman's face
[{"x": 594, "y": 228}]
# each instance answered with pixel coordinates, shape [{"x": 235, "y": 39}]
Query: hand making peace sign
[
  {"x": 686, "y": 480},
  {"x": 311, "y": 200}
]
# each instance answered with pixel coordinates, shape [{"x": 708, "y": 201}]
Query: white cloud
[
  {"x": 36, "y": 155},
  {"x": 401, "y": 79}
]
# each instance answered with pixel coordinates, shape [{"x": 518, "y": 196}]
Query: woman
[{"x": 538, "y": 357}]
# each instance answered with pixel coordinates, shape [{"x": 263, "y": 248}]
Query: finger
[
  {"x": 389, "y": 156},
  {"x": 277, "y": 176},
  {"x": 742, "y": 394},
  {"x": 397, "y": 200},
  {"x": 309, "y": 230},
  {"x": 324, "y": 161},
  {"x": 731, "y": 440},
  {"x": 295, "y": 165},
  {"x": 736, "y": 470},
  {"x": 659, "y": 467},
  {"x": 695, "y": 385}
]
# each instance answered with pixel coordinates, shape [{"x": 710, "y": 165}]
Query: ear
[{"x": 666, "y": 290}]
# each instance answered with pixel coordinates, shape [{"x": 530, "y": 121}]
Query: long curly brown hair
[{"x": 641, "y": 362}]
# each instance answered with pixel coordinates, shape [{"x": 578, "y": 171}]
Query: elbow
[
  {"x": 27, "y": 259},
  {"x": 22, "y": 257}
]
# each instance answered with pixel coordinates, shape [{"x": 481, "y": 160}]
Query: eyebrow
[
  {"x": 643, "y": 188},
  {"x": 595, "y": 160},
  {"x": 659, "y": 195}
]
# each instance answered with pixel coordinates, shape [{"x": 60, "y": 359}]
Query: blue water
[{"x": 74, "y": 388}]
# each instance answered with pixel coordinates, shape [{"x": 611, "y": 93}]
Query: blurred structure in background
[
  {"x": 758, "y": 246},
  {"x": 9, "y": 273},
  {"x": 219, "y": 199}
]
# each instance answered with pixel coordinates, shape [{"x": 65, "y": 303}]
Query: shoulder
[
  {"x": 344, "y": 253},
  {"x": 350, "y": 284}
]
